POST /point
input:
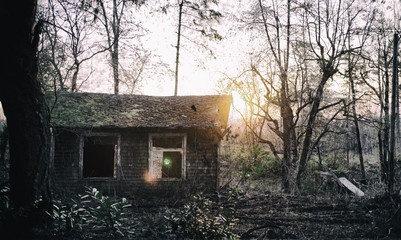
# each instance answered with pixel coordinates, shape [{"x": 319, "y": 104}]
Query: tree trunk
[
  {"x": 357, "y": 132},
  {"x": 391, "y": 159},
  {"x": 27, "y": 116},
  {"x": 386, "y": 130},
  {"x": 114, "y": 64},
  {"x": 286, "y": 114},
  {"x": 381, "y": 156},
  {"x": 294, "y": 149},
  {"x": 177, "y": 56},
  {"x": 75, "y": 77},
  {"x": 328, "y": 71}
]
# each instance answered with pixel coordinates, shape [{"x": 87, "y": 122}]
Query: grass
[{"x": 265, "y": 184}]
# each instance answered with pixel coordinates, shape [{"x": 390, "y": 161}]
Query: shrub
[
  {"x": 335, "y": 162},
  {"x": 309, "y": 185},
  {"x": 256, "y": 163},
  {"x": 107, "y": 212},
  {"x": 4, "y": 202},
  {"x": 203, "y": 219},
  {"x": 69, "y": 216},
  {"x": 93, "y": 211}
]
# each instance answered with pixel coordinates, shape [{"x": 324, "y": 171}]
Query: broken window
[
  {"x": 99, "y": 156},
  {"x": 167, "y": 156}
]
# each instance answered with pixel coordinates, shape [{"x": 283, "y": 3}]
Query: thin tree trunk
[
  {"x": 391, "y": 159},
  {"x": 381, "y": 157},
  {"x": 177, "y": 56},
  {"x": 386, "y": 130},
  {"x": 286, "y": 114},
  {"x": 380, "y": 130},
  {"x": 357, "y": 132},
  {"x": 75, "y": 77},
  {"x": 354, "y": 114},
  {"x": 294, "y": 149},
  {"x": 114, "y": 63},
  {"x": 319, "y": 154}
]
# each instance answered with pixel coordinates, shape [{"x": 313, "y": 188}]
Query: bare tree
[
  {"x": 282, "y": 58},
  {"x": 271, "y": 90},
  {"x": 288, "y": 98},
  {"x": 353, "y": 60},
  {"x": 327, "y": 29},
  {"x": 376, "y": 76},
  {"x": 194, "y": 16},
  {"x": 111, "y": 15},
  {"x": 66, "y": 46}
]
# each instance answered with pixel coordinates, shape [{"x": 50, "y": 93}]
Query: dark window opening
[
  {"x": 168, "y": 142},
  {"x": 99, "y": 156},
  {"x": 171, "y": 165}
]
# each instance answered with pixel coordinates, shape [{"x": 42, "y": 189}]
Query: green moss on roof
[{"x": 87, "y": 110}]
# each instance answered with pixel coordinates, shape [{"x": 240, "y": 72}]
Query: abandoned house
[{"x": 135, "y": 144}]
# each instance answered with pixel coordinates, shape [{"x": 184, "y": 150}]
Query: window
[
  {"x": 99, "y": 155},
  {"x": 167, "y": 156}
]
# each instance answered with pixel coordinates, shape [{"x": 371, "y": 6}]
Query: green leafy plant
[
  {"x": 4, "y": 201},
  {"x": 95, "y": 212},
  {"x": 69, "y": 216},
  {"x": 256, "y": 163},
  {"x": 201, "y": 218},
  {"x": 335, "y": 162},
  {"x": 107, "y": 212}
]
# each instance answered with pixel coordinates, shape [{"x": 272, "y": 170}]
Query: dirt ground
[
  {"x": 276, "y": 216},
  {"x": 272, "y": 215}
]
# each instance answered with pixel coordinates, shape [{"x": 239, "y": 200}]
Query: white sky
[{"x": 198, "y": 72}]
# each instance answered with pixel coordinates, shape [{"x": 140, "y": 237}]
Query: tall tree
[
  {"x": 65, "y": 47},
  {"x": 27, "y": 115},
  {"x": 353, "y": 60},
  {"x": 51, "y": 52},
  {"x": 394, "y": 112},
  {"x": 376, "y": 76},
  {"x": 328, "y": 29},
  {"x": 111, "y": 14},
  {"x": 271, "y": 88},
  {"x": 282, "y": 58},
  {"x": 194, "y": 16}
]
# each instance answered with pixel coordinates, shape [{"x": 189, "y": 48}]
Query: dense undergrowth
[
  {"x": 94, "y": 215},
  {"x": 253, "y": 208}
]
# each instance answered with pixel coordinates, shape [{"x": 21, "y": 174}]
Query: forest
[{"x": 312, "y": 145}]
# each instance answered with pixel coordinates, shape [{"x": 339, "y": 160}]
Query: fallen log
[
  {"x": 346, "y": 183},
  {"x": 343, "y": 182}
]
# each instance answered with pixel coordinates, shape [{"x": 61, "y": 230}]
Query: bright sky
[{"x": 199, "y": 73}]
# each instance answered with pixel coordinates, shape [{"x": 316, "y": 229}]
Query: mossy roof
[{"x": 99, "y": 110}]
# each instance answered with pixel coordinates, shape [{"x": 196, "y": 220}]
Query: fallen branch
[{"x": 247, "y": 234}]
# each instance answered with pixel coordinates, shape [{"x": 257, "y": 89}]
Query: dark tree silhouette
[{"x": 27, "y": 117}]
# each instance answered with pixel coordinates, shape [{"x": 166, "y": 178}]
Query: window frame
[
  {"x": 161, "y": 149},
  {"x": 116, "y": 154}
]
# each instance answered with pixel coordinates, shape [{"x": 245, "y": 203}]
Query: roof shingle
[{"x": 88, "y": 110}]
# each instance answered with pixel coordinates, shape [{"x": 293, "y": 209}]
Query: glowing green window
[
  {"x": 172, "y": 164},
  {"x": 167, "y": 156}
]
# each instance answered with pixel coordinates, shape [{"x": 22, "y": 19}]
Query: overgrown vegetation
[
  {"x": 256, "y": 163},
  {"x": 91, "y": 215},
  {"x": 253, "y": 166},
  {"x": 94, "y": 215},
  {"x": 202, "y": 218}
]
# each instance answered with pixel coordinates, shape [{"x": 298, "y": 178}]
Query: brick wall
[{"x": 201, "y": 164}]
